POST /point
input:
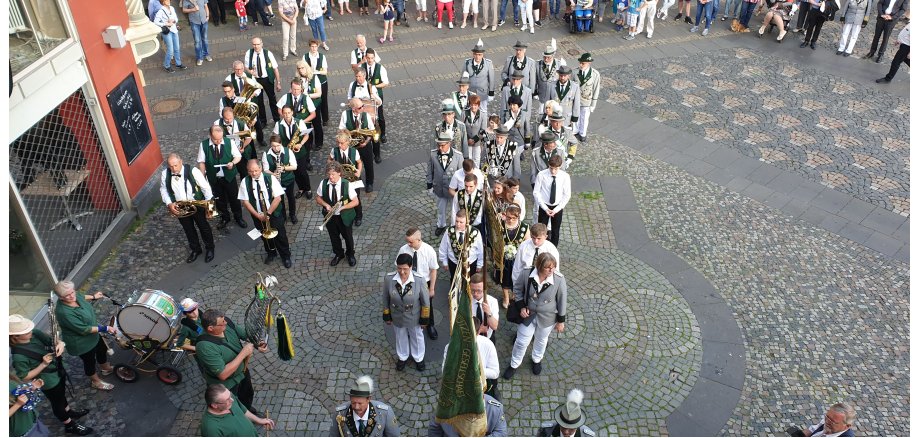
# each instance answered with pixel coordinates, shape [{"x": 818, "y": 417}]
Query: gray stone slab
[
  {"x": 776, "y": 200},
  {"x": 903, "y": 254},
  {"x": 806, "y": 191},
  {"x": 723, "y": 362},
  {"x": 833, "y": 223},
  {"x": 699, "y": 168},
  {"x": 717, "y": 323},
  {"x": 794, "y": 207},
  {"x": 883, "y": 243},
  {"x": 618, "y": 194},
  {"x": 660, "y": 259},
  {"x": 786, "y": 182},
  {"x": 883, "y": 221},
  {"x": 710, "y": 404},
  {"x": 855, "y": 232},
  {"x": 679, "y": 424},
  {"x": 856, "y": 210},
  {"x": 678, "y": 159},
  {"x": 765, "y": 174},
  {"x": 694, "y": 287},
  {"x": 628, "y": 230},
  {"x": 831, "y": 200},
  {"x": 722, "y": 158},
  {"x": 738, "y": 184},
  {"x": 813, "y": 215},
  {"x": 700, "y": 148},
  {"x": 757, "y": 191}
]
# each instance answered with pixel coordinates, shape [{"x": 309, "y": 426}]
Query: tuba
[
  {"x": 358, "y": 135},
  {"x": 350, "y": 172},
  {"x": 188, "y": 208},
  {"x": 245, "y": 109}
]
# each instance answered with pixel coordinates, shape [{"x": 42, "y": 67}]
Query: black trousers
[
  {"x": 97, "y": 354},
  {"x": 244, "y": 392},
  {"x": 226, "y": 191},
  {"x": 556, "y": 221},
  {"x": 899, "y": 57},
  {"x": 452, "y": 268},
  {"x": 367, "y": 156},
  {"x": 268, "y": 88},
  {"x": 804, "y": 9},
  {"x": 278, "y": 245},
  {"x": 300, "y": 175},
  {"x": 257, "y": 7},
  {"x": 58, "y": 399},
  {"x": 813, "y": 26},
  {"x": 259, "y": 126},
  {"x": 291, "y": 208},
  {"x": 362, "y": 3},
  {"x": 189, "y": 225},
  {"x": 338, "y": 231},
  {"x": 317, "y": 136},
  {"x": 382, "y": 122},
  {"x": 217, "y": 11},
  {"x": 324, "y": 105},
  {"x": 359, "y": 210},
  {"x": 883, "y": 30}
]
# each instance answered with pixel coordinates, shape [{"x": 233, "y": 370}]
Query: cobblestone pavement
[{"x": 832, "y": 130}]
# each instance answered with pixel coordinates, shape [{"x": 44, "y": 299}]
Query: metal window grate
[{"x": 61, "y": 173}]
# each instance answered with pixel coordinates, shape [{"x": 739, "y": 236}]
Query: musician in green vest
[
  {"x": 357, "y": 117},
  {"x": 287, "y": 129},
  {"x": 338, "y": 200},
  {"x": 32, "y": 357},
  {"x": 181, "y": 182},
  {"x": 377, "y": 76},
  {"x": 261, "y": 194},
  {"x": 320, "y": 66},
  {"x": 280, "y": 162},
  {"x": 263, "y": 67},
  {"x": 238, "y": 133},
  {"x": 312, "y": 88},
  {"x": 303, "y": 110},
  {"x": 217, "y": 159},
  {"x": 237, "y": 82},
  {"x": 343, "y": 154}
]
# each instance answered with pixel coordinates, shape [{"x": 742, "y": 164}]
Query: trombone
[
  {"x": 332, "y": 212},
  {"x": 268, "y": 232}
]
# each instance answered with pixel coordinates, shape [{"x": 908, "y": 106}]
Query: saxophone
[
  {"x": 245, "y": 109},
  {"x": 294, "y": 144}
]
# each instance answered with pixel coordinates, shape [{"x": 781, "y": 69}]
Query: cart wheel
[
  {"x": 169, "y": 375},
  {"x": 126, "y": 373}
]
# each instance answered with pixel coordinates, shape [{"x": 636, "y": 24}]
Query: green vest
[
  {"x": 319, "y": 62},
  {"x": 268, "y": 63},
  {"x": 352, "y": 157},
  {"x": 196, "y": 191},
  {"x": 347, "y": 215},
  {"x": 226, "y": 156},
  {"x": 236, "y": 86},
  {"x": 304, "y": 108},
  {"x": 374, "y": 77},
  {"x": 350, "y": 120},
  {"x": 286, "y": 177},
  {"x": 267, "y": 180}
]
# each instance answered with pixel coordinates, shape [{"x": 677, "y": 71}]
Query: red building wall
[{"x": 107, "y": 68}]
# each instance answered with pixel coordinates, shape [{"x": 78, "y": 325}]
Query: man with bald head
[
  {"x": 838, "y": 421},
  {"x": 182, "y": 182}
]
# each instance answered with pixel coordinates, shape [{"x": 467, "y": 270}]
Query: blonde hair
[{"x": 309, "y": 70}]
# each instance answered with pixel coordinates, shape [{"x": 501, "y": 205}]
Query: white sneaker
[
  {"x": 439, "y": 25},
  {"x": 648, "y": 35},
  {"x": 463, "y": 26},
  {"x": 198, "y": 62},
  {"x": 523, "y": 28},
  {"x": 450, "y": 24},
  {"x": 531, "y": 29}
]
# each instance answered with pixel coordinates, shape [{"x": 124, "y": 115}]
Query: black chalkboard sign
[{"x": 133, "y": 129}]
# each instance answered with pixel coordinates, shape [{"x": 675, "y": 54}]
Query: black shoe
[
  {"x": 352, "y": 261},
  {"x": 537, "y": 368},
  {"x": 369, "y": 188},
  {"x": 812, "y": 45},
  {"x": 358, "y": 222},
  {"x": 884, "y": 80},
  {"x": 309, "y": 194},
  {"x": 192, "y": 256},
  {"x": 839, "y": 52},
  {"x": 538, "y": 23},
  {"x": 517, "y": 23},
  {"x": 299, "y": 194},
  {"x": 310, "y": 166},
  {"x": 287, "y": 263},
  {"x": 208, "y": 258},
  {"x": 688, "y": 20},
  {"x": 509, "y": 373},
  {"x": 420, "y": 365},
  {"x": 846, "y": 55},
  {"x": 400, "y": 365},
  {"x": 293, "y": 218},
  {"x": 335, "y": 260},
  {"x": 383, "y": 139},
  {"x": 432, "y": 332},
  {"x": 269, "y": 24},
  {"x": 241, "y": 222},
  {"x": 169, "y": 70},
  {"x": 804, "y": 43},
  {"x": 378, "y": 160},
  {"x": 270, "y": 258},
  {"x": 181, "y": 67},
  {"x": 439, "y": 231},
  {"x": 77, "y": 413},
  {"x": 870, "y": 55},
  {"x": 77, "y": 429},
  {"x": 878, "y": 60},
  {"x": 677, "y": 17}
]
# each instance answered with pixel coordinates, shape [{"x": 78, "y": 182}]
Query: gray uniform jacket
[
  {"x": 495, "y": 421},
  {"x": 383, "y": 417},
  {"x": 526, "y": 97},
  {"x": 520, "y": 128},
  {"x": 571, "y": 103},
  {"x": 855, "y": 10},
  {"x": 506, "y": 163},
  {"x": 475, "y": 125},
  {"x": 482, "y": 83},
  {"x": 545, "y": 82},
  {"x": 459, "y": 135},
  {"x": 547, "y": 306},
  {"x": 540, "y": 159},
  {"x": 529, "y": 71},
  {"x": 438, "y": 177},
  {"x": 411, "y": 309},
  {"x": 590, "y": 86}
]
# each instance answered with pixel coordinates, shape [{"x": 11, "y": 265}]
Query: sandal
[
  {"x": 382, "y": 39},
  {"x": 105, "y": 372},
  {"x": 104, "y": 386},
  {"x": 391, "y": 39}
]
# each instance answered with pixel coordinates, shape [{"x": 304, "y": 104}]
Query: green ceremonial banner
[{"x": 460, "y": 403}]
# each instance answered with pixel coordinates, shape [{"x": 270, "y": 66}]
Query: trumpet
[
  {"x": 188, "y": 208},
  {"x": 332, "y": 212}
]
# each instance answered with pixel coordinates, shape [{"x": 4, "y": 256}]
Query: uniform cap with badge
[
  {"x": 548, "y": 137},
  {"x": 478, "y": 48},
  {"x": 464, "y": 78},
  {"x": 551, "y": 48}
]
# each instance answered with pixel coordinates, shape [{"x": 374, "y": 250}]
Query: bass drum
[{"x": 149, "y": 314}]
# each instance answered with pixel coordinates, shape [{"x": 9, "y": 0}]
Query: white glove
[
  {"x": 431, "y": 192},
  {"x": 568, "y": 161}
]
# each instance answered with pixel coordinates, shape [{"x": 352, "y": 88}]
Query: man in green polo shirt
[
  {"x": 225, "y": 415},
  {"x": 221, "y": 352}
]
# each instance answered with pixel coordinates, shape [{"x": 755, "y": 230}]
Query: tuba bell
[
  {"x": 350, "y": 172},
  {"x": 188, "y": 208},
  {"x": 245, "y": 109}
]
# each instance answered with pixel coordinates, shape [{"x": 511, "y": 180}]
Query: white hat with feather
[{"x": 569, "y": 414}]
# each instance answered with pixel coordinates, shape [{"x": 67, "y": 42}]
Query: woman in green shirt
[
  {"x": 24, "y": 422},
  {"x": 77, "y": 319},
  {"x": 31, "y": 360}
]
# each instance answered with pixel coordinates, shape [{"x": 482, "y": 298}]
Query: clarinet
[{"x": 55, "y": 337}]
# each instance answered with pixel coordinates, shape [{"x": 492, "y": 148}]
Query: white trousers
[
  {"x": 647, "y": 14},
  {"x": 525, "y": 334},
  {"x": 665, "y": 4},
  {"x": 288, "y": 37},
  {"x": 410, "y": 340},
  {"x": 475, "y": 154},
  {"x": 467, "y": 4},
  {"x": 421, "y": 5},
  {"x": 583, "y": 115},
  {"x": 444, "y": 206},
  {"x": 848, "y": 37},
  {"x": 526, "y": 8}
]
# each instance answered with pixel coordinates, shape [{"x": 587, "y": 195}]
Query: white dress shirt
[
  {"x": 470, "y": 199},
  {"x": 357, "y": 56},
  {"x": 263, "y": 57},
  {"x": 458, "y": 184},
  {"x": 427, "y": 259},
  {"x": 525, "y": 255},
  {"x": 370, "y": 121},
  {"x": 307, "y": 101},
  {"x": 292, "y": 160},
  {"x": 240, "y": 83},
  {"x": 182, "y": 189},
  {"x": 542, "y": 190},
  {"x": 361, "y": 91},
  {"x": 290, "y": 127},
  {"x": 493, "y": 307},
  {"x": 446, "y": 251},
  {"x": 260, "y": 191},
  {"x": 488, "y": 357},
  {"x": 352, "y": 195},
  {"x": 234, "y": 152}
]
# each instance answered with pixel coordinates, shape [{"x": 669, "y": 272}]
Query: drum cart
[{"x": 148, "y": 324}]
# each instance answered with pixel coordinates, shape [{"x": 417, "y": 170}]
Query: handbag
[
  {"x": 165, "y": 30},
  {"x": 514, "y": 309}
]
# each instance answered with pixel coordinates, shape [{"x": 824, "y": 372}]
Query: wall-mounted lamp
[{"x": 114, "y": 36}]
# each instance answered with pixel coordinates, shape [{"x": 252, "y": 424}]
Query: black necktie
[
  {"x": 415, "y": 260},
  {"x": 333, "y": 196},
  {"x": 216, "y": 151},
  {"x": 552, "y": 192},
  {"x": 536, "y": 251},
  {"x": 177, "y": 175},
  {"x": 259, "y": 196},
  {"x": 361, "y": 427},
  {"x": 461, "y": 238},
  {"x": 239, "y": 84},
  {"x": 479, "y": 310},
  {"x": 258, "y": 66}
]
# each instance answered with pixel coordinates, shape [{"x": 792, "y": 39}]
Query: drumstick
[{"x": 266, "y": 427}]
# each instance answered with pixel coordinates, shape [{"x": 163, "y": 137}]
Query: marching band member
[
  {"x": 407, "y": 308},
  {"x": 343, "y": 153},
  {"x": 503, "y": 157},
  {"x": 226, "y": 416},
  {"x": 331, "y": 191},
  {"x": 238, "y": 133},
  {"x": 552, "y": 193},
  {"x": 442, "y": 164},
  {"x": 220, "y": 353},
  {"x": 424, "y": 263},
  {"x": 476, "y": 121},
  {"x": 280, "y": 162},
  {"x": 516, "y": 121},
  {"x": 482, "y": 75},
  {"x": 517, "y": 89},
  {"x": 357, "y": 55},
  {"x": 232, "y": 87},
  {"x": 377, "y": 76},
  {"x": 452, "y": 128},
  {"x": 182, "y": 182},
  {"x": 264, "y": 69},
  {"x": 521, "y": 63},
  {"x": 261, "y": 194},
  {"x": 304, "y": 111},
  {"x": 546, "y": 74},
  {"x": 589, "y": 81},
  {"x": 515, "y": 234},
  {"x": 217, "y": 159},
  {"x": 30, "y": 360},
  {"x": 317, "y": 61},
  {"x": 452, "y": 242},
  {"x": 81, "y": 333},
  {"x": 528, "y": 251},
  {"x": 287, "y": 129},
  {"x": 313, "y": 88},
  {"x": 354, "y": 118}
]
